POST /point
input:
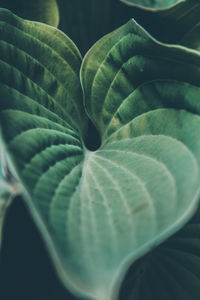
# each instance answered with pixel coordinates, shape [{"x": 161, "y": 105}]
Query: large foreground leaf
[{"x": 99, "y": 211}]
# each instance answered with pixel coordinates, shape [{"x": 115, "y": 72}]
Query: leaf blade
[
  {"x": 42, "y": 76},
  {"x": 76, "y": 195}
]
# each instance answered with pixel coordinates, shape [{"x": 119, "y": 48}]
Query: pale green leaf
[
  {"x": 127, "y": 78},
  {"x": 99, "y": 211}
]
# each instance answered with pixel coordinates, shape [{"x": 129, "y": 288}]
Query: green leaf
[
  {"x": 152, "y": 3},
  {"x": 128, "y": 73},
  {"x": 99, "y": 211},
  {"x": 37, "y": 10},
  {"x": 49, "y": 69}
]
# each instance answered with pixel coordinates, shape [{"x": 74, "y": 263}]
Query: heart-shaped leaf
[{"x": 99, "y": 211}]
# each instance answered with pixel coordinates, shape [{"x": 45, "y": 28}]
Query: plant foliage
[{"x": 101, "y": 209}]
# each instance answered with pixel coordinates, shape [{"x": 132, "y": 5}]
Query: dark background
[{"x": 26, "y": 271}]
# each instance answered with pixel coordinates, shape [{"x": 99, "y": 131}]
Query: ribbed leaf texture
[{"x": 100, "y": 211}]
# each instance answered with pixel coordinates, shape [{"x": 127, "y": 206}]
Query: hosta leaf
[
  {"x": 99, "y": 211},
  {"x": 48, "y": 64},
  {"x": 127, "y": 73},
  {"x": 152, "y": 3},
  {"x": 126, "y": 85},
  {"x": 37, "y": 10}
]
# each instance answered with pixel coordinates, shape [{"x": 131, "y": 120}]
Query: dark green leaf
[
  {"x": 176, "y": 25},
  {"x": 45, "y": 11}
]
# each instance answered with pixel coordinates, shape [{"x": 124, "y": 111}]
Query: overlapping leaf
[
  {"x": 100, "y": 211},
  {"x": 37, "y": 10}
]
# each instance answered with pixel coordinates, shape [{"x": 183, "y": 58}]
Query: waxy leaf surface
[{"x": 99, "y": 211}]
